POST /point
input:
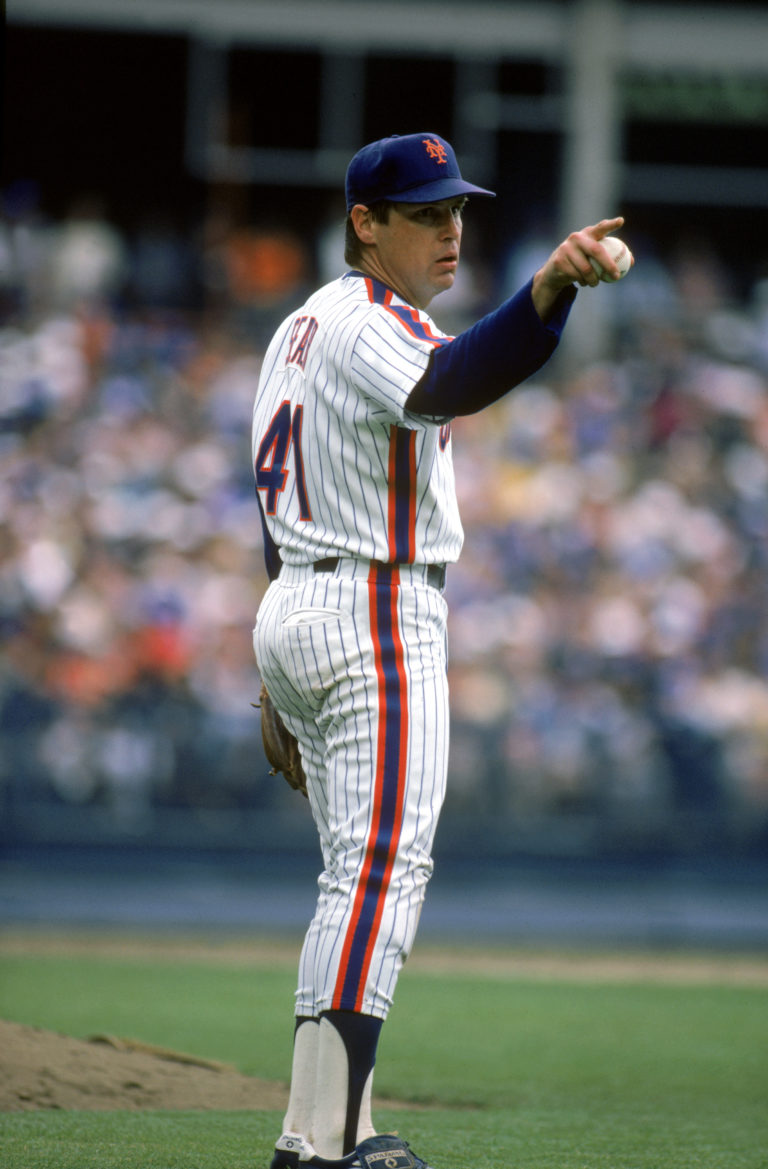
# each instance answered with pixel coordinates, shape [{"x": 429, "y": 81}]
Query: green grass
[
  {"x": 527, "y": 1074},
  {"x": 231, "y": 1014}
]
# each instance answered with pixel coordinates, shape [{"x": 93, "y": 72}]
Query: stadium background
[{"x": 171, "y": 185}]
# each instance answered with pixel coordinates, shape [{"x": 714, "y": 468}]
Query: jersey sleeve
[
  {"x": 491, "y": 357},
  {"x": 391, "y": 354}
]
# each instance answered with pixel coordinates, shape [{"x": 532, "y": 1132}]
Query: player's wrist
[{"x": 546, "y": 287}]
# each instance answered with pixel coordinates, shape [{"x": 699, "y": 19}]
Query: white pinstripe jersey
[{"x": 341, "y": 468}]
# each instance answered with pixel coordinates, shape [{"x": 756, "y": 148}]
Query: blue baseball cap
[{"x": 408, "y": 168}]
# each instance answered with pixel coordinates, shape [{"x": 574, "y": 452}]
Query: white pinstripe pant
[{"x": 356, "y": 664}]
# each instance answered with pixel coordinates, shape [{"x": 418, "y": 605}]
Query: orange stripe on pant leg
[{"x": 387, "y": 814}]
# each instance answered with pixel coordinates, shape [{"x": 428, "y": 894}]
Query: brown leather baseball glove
[{"x": 280, "y": 746}]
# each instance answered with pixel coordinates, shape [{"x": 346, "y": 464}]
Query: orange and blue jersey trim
[
  {"x": 401, "y": 502},
  {"x": 388, "y": 791},
  {"x": 378, "y": 293}
]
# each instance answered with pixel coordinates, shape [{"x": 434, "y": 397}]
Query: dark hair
[{"x": 354, "y": 248}]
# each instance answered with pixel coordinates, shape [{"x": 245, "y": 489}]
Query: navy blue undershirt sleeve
[{"x": 490, "y": 358}]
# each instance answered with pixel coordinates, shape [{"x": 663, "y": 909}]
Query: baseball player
[{"x": 352, "y": 457}]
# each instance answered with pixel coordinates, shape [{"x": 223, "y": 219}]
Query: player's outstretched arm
[
  {"x": 491, "y": 357},
  {"x": 506, "y": 346},
  {"x": 570, "y": 264}
]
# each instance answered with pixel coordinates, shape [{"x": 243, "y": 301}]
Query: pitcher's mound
[{"x": 41, "y": 1069}]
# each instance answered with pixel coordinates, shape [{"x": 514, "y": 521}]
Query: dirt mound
[{"x": 41, "y": 1069}]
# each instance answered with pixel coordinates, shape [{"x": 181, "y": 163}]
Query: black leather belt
[{"x": 435, "y": 573}]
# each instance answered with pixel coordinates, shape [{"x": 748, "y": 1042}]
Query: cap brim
[{"x": 440, "y": 189}]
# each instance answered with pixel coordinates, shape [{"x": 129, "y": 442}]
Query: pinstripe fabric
[
  {"x": 388, "y": 791},
  {"x": 324, "y": 476},
  {"x": 357, "y": 665},
  {"x": 355, "y": 661}
]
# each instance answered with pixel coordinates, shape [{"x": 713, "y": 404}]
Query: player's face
[{"x": 417, "y": 250}]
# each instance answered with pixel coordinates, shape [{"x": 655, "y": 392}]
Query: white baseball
[{"x": 620, "y": 253}]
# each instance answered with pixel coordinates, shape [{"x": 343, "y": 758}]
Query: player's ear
[{"x": 362, "y": 223}]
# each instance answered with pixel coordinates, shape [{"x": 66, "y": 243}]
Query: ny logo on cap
[{"x": 435, "y": 150}]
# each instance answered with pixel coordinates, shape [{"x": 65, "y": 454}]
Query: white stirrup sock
[
  {"x": 331, "y": 1090},
  {"x": 301, "y": 1101},
  {"x": 365, "y": 1127}
]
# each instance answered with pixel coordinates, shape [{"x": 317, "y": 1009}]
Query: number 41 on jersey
[{"x": 281, "y": 440}]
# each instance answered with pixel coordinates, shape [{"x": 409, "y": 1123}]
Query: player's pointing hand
[{"x": 570, "y": 264}]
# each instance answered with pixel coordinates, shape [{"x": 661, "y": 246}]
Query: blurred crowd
[{"x": 608, "y": 643}]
